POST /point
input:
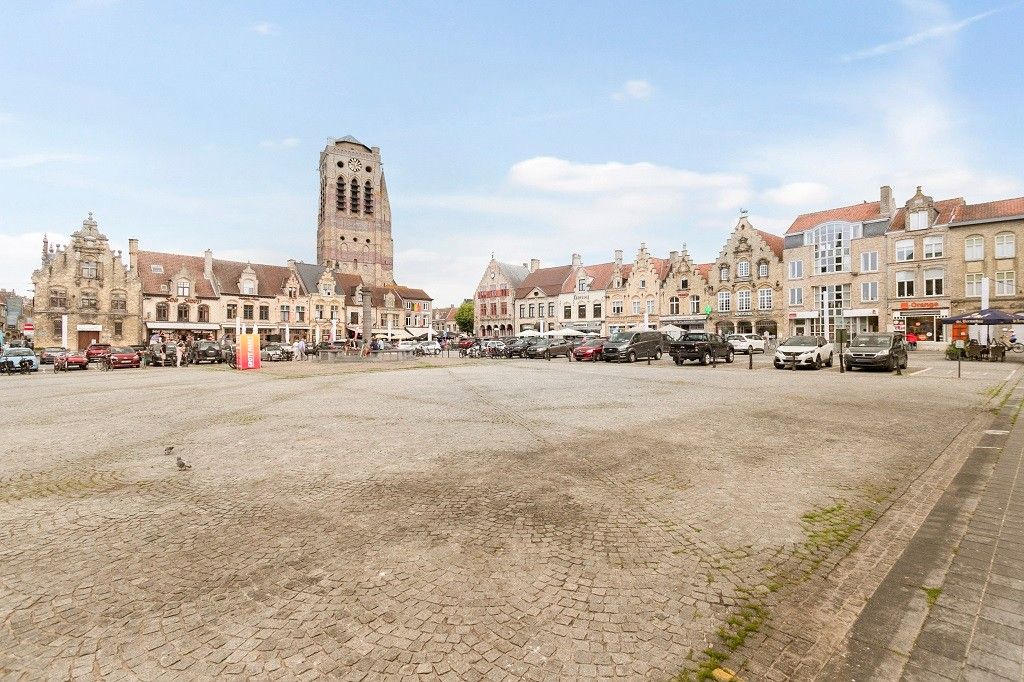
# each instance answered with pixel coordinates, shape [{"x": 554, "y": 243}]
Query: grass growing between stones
[
  {"x": 826, "y": 530},
  {"x": 931, "y": 595}
]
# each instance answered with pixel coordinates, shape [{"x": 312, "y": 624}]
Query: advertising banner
[{"x": 248, "y": 351}]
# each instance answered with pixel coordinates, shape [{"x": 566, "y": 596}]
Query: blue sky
[{"x": 526, "y": 129}]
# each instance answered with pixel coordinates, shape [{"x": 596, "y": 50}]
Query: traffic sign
[{"x": 28, "y": 327}]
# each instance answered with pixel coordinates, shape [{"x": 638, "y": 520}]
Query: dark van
[{"x": 630, "y": 346}]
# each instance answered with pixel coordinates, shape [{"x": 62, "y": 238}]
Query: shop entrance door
[{"x": 85, "y": 338}]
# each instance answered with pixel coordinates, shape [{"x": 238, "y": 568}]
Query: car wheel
[
  {"x": 657, "y": 354},
  {"x": 890, "y": 364},
  {"x": 778, "y": 366},
  {"x": 829, "y": 363},
  {"x": 631, "y": 357},
  {"x": 731, "y": 355},
  {"x": 705, "y": 358},
  {"x": 817, "y": 362}
]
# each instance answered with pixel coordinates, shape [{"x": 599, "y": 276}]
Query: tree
[{"x": 464, "y": 317}]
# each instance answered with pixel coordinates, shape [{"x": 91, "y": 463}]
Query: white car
[
  {"x": 497, "y": 345},
  {"x": 431, "y": 347},
  {"x": 807, "y": 351},
  {"x": 746, "y": 343},
  {"x": 406, "y": 345}
]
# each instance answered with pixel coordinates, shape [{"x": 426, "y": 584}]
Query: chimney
[
  {"x": 672, "y": 255},
  {"x": 886, "y": 205},
  {"x": 133, "y": 256},
  {"x": 534, "y": 264},
  {"x": 618, "y": 256},
  {"x": 577, "y": 260},
  {"x": 208, "y": 265}
]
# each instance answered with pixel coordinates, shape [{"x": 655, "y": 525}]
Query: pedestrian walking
[{"x": 179, "y": 349}]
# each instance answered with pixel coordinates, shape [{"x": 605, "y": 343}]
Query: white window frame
[
  {"x": 1006, "y": 283},
  {"x": 868, "y": 292},
  {"x": 1006, "y": 245},
  {"x": 974, "y": 247},
  {"x": 930, "y": 243},
  {"x": 869, "y": 261},
  {"x": 972, "y": 285},
  {"x": 796, "y": 269},
  {"x": 765, "y": 298},
  {"x": 184, "y": 288},
  {"x": 650, "y": 306},
  {"x": 762, "y": 269},
  {"x": 695, "y": 305},
  {"x": 636, "y": 307},
  {"x": 918, "y": 220},
  {"x": 904, "y": 250},
  {"x": 796, "y": 296},
  {"x": 743, "y": 268},
  {"x": 901, "y": 278},
  {"x": 617, "y": 307},
  {"x": 743, "y": 300},
  {"x": 723, "y": 273},
  {"x": 724, "y": 302},
  {"x": 931, "y": 278}
]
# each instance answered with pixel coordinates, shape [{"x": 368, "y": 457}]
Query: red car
[
  {"x": 123, "y": 357},
  {"x": 76, "y": 358},
  {"x": 589, "y": 350},
  {"x": 467, "y": 343},
  {"x": 96, "y": 351}
]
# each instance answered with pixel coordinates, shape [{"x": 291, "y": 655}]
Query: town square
[{"x": 533, "y": 341}]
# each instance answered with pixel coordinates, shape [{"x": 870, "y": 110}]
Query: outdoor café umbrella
[
  {"x": 529, "y": 332},
  {"x": 987, "y": 317},
  {"x": 567, "y": 332}
]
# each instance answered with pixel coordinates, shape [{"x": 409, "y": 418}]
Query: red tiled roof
[
  {"x": 411, "y": 294},
  {"x": 774, "y": 242},
  {"x": 704, "y": 269},
  {"x": 271, "y": 279},
  {"x": 548, "y": 280},
  {"x": 946, "y": 208},
  {"x": 869, "y": 210},
  {"x": 991, "y": 210},
  {"x": 171, "y": 264}
]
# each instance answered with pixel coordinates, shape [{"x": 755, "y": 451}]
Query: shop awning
[
  {"x": 985, "y": 317},
  {"x": 202, "y": 326},
  {"x": 419, "y": 331}
]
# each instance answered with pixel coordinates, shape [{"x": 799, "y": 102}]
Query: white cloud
[
  {"x": 932, "y": 33},
  {"x": 264, "y": 28},
  {"x": 38, "y": 159},
  {"x": 550, "y": 174},
  {"x": 634, "y": 90},
  {"x": 23, "y": 254},
  {"x": 284, "y": 143},
  {"x": 797, "y": 194}
]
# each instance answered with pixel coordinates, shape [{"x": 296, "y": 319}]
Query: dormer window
[
  {"x": 743, "y": 269},
  {"x": 723, "y": 273},
  {"x": 643, "y": 284},
  {"x": 156, "y": 269},
  {"x": 249, "y": 288},
  {"x": 618, "y": 283},
  {"x": 918, "y": 220},
  {"x": 581, "y": 285},
  {"x": 325, "y": 290},
  {"x": 684, "y": 283},
  {"x": 184, "y": 288},
  {"x": 89, "y": 269}
]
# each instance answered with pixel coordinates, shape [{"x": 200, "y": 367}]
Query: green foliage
[{"x": 464, "y": 317}]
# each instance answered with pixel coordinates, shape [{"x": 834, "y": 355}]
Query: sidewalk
[{"x": 952, "y": 607}]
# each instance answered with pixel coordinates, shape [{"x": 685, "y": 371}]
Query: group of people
[{"x": 181, "y": 348}]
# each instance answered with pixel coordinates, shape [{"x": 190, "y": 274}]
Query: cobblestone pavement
[{"x": 444, "y": 519}]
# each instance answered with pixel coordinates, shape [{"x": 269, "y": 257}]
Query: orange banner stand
[
  {"x": 959, "y": 331},
  {"x": 247, "y": 352}
]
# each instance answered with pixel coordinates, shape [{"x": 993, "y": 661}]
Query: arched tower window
[
  {"x": 368, "y": 198},
  {"x": 354, "y": 195},
  {"x": 341, "y": 194}
]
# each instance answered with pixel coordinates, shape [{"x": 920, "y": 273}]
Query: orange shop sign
[{"x": 914, "y": 305}]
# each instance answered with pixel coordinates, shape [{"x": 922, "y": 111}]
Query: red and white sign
[{"x": 28, "y": 327}]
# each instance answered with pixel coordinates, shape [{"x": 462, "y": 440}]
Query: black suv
[
  {"x": 208, "y": 351},
  {"x": 702, "y": 347},
  {"x": 630, "y": 346},
  {"x": 877, "y": 350}
]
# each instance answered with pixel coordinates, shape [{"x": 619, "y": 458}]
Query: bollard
[
  {"x": 750, "y": 365},
  {"x": 793, "y": 361},
  {"x": 842, "y": 363}
]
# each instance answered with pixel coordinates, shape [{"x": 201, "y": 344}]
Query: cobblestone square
[{"x": 447, "y": 519}]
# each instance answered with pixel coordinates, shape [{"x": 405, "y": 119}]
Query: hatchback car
[
  {"x": 123, "y": 356},
  {"x": 430, "y": 347},
  {"x": 14, "y": 357},
  {"x": 746, "y": 343},
  {"x": 47, "y": 355},
  {"x": 803, "y": 351},
  {"x": 95, "y": 351},
  {"x": 548, "y": 348},
  {"x": 76, "y": 358},
  {"x": 589, "y": 350},
  {"x": 876, "y": 350}
]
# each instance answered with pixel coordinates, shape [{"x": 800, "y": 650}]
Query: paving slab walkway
[{"x": 952, "y": 607}]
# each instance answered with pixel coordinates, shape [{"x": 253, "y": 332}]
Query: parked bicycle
[{"x": 60, "y": 363}]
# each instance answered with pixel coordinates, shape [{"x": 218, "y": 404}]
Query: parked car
[
  {"x": 589, "y": 350},
  {"x": 163, "y": 354},
  {"x": 517, "y": 348},
  {"x": 495, "y": 346},
  {"x": 95, "y": 351},
  {"x": 806, "y": 351},
  {"x": 746, "y": 343},
  {"x": 123, "y": 356},
  {"x": 548, "y": 348},
  {"x": 406, "y": 345},
  {"x": 13, "y": 356},
  {"x": 630, "y": 346},
  {"x": 431, "y": 347},
  {"x": 275, "y": 352},
  {"x": 467, "y": 343},
  {"x": 704, "y": 347},
  {"x": 47, "y": 355},
  {"x": 876, "y": 350},
  {"x": 76, "y": 358},
  {"x": 208, "y": 351}
]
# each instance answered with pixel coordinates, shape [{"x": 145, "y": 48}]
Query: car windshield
[
  {"x": 53, "y": 349},
  {"x": 15, "y": 352},
  {"x": 123, "y": 350},
  {"x": 871, "y": 341},
  {"x": 594, "y": 343},
  {"x": 621, "y": 337},
  {"x": 695, "y": 337},
  {"x": 800, "y": 341},
  {"x": 736, "y": 337}
]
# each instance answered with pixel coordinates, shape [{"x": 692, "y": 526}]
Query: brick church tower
[{"x": 354, "y": 224}]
